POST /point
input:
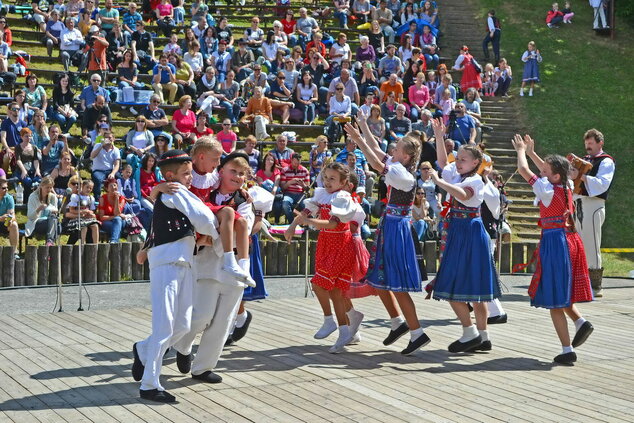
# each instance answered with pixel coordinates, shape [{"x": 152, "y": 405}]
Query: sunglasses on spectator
[
  {"x": 419, "y": 193},
  {"x": 425, "y": 168},
  {"x": 15, "y": 109},
  {"x": 96, "y": 80},
  {"x": 74, "y": 183},
  {"x": 4, "y": 188},
  {"x": 140, "y": 121},
  {"x": 281, "y": 77},
  {"x": 103, "y": 121},
  {"x": 339, "y": 89},
  {"x": 156, "y": 101},
  {"x": 226, "y": 124}
]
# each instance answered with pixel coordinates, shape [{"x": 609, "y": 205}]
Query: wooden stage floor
[{"x": 75, "y": 366}]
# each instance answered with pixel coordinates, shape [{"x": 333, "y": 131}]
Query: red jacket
[{"x": 552, "y": 14}]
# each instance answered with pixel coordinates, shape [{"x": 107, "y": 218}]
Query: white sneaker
[
  {"x": 355, "y": 317},
  {"x": 326, "y": 329},
  {"x": 344, "y": 338},
  {"x": 245, "y": 264},
  {"x": 521, "y": 92},
  {"x": 237, "y": 273},
  {"x": 356, "y": 338},
  {"x": 530, "y": 93}
]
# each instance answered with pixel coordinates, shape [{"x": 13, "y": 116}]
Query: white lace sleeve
[{"x": 397, "y": 176}]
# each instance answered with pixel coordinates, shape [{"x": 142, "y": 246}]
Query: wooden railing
[{"x": 42, "y": 265}]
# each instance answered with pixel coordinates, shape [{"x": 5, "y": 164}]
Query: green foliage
[{"x": 586, "y": 83}]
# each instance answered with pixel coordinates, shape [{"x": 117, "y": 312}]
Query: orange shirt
[
  {"x": 397, "y": 89},
  {"x": 261, "y": 106}
]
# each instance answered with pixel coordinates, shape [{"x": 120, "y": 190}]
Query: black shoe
[
  {"x": 484, "y": 346},
  {"x": 158, "y": 396},
  {"x": 497, "y": 320},
  {"x": 396, "y": 334},
  {"x": 183, "y": 362},
  {"x": 238, "y": 333},
  {"x": 582, "y": 334},
  {"x": 458, "y": 346},
  {"x": 419, "y": 342},
  {"x": 137, "y": 367},
  {"x": 229, "y": 341},
  {"x": 568, "y": 359},
  {"x": 208, "y": 377}
]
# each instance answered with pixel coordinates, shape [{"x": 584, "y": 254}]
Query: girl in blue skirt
[
  {"x": 467, "y": 272},
  {"x": 394, "y": 263}
]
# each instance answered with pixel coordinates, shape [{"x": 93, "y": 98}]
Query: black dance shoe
[
  {"x": 497, "y": 320},
  {"x": 183, "y": 362},
  {"x": 158, "y": 396},
  {"x": 567, "y": 359},
  {"x": 419, "y": 342},
  {"x": 208, "y": 377},
  {"x": 238, "y": 333},
  {"x": 582, "y": 334},
  {"x": 396, "y": 334},
  {"x": 458, "y": 346},
  {"x": 137, "y": 367}
]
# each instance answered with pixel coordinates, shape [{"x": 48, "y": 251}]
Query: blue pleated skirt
[
  {"x": 555, "y": 285},
  {"x": 394, "y": 264},
  {"x": 467, "y": 271},
  {"x": 259, "y": 292}
]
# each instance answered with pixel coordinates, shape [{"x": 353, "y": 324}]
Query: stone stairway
[{"x": 461, "y": 27}]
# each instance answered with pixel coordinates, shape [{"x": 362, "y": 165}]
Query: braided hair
[{"x": 412, "y": 146}]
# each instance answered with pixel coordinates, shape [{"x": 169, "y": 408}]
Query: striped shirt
[{"x": 289, "y": 173}]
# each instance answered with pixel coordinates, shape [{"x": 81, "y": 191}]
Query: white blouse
[
  {"x": 343, "y": 206},
  {"x": 544, "y": 191},
  {"x": 398, "y": 176},
  {"x": 475, "y": 183}
]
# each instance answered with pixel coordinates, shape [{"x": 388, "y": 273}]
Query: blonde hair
[
  {"x": 240, "y": 162},
  {"x": 412, "y": 146},
  {"x": 73, "y": 179},
  {"x": 204, "y": 144}
]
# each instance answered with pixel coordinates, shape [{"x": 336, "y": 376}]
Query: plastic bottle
[{"x": 19, "y": 194}]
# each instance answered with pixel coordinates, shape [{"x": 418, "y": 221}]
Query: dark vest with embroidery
[
  {"x": 234, "y": 201},
  {"x": 596, "y": 162},
  {"x": 168, "y": 225}
]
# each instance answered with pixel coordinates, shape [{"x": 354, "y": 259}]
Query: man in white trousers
[
  {"x": 590, "y": 204},
  {"x": 170, "y": 248},
  {"x": 217, "y": 293}
]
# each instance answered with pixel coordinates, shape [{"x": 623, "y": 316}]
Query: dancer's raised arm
[
  {"x": 439, "y": 134},
  {"x": 522, "y": 164}
]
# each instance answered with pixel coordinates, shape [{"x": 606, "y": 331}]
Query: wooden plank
[
  {"x": 103, "y": 263},
  {"x": 137, "y": 269},
  {"x": 19, "y": 272},
  {"x": 126, "y": 260},
  {"x": 431, "y": 256},
  {"x": 293, "y": 259},
  {"x": 31, "y": 265},
  {"x": 115, "y": 262},
  {"x": 271, "y": 259},
  {"x": 8, "y": 267},
  {"x": 282, "y": 258},
  {"x": 505, "y": 260},
  {"x": 517, "y": 254},
  {"x": 90, "y": 262},
  {"x": 68, "y": 265},
  {"x": 42, "y": 265}
]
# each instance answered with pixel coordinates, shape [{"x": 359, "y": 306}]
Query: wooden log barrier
[
  {"x": 137, "y": 269},
  {"x": 54, "y": 263},
  {"x": 30, "y": 265},
  {"x": 282, "y": 258},
  {"x": 103, "y": 263},
  {"x": 8, "y": 267},
  {"x": 115, "y": 262},
  {"x": 42, "y": 265},
  {"x": 293, "y": 262},
  {"x": 431, "y": 256},
  {"x": 505, "y": 260},
  {"x": 517, "y": 254},
  {"x": 69, "y": 266},
  {"x": 126, "y": 261},
  {"x": 19, "y": 272},
  {"x": 90, "y": 262}
]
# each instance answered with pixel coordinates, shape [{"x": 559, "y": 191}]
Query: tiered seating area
[{"x": 457, "y": 28}]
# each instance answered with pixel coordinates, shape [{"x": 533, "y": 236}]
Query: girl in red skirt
[
  {"x": 470, "y": 75},
  {"x": 334, "y": 209},
  {"x": 561, "y": 278}
]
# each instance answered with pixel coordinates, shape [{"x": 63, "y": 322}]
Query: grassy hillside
[{"x": 586, "y": 82}]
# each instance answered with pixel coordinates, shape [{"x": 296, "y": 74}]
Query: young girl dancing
[
  {"x": 561, "y": 278},
  {"x": 394, "y": 264},
  {"x": 467, "y": 272},
  {"x": 333, "y": 260}
]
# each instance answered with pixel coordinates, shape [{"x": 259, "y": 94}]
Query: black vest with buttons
[
  {"x": 233, "y": 201},
  {"x": 596, "y": 162},
  {"x": 168, "y": 225}
]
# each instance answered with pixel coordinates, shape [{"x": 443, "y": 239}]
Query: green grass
[
  {"x": 586, "y": 83},
  {"x": 618, "y": 264}
]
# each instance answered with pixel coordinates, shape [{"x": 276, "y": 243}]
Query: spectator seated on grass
[
  {"x": 281, "y": 152},
  {"x": 259, "y": 113},
  {"x": 340, "y": 108},
  {"x": 400, "y": 124},
  {"x": 63, "y": 104},
  {"x": 111, "y": 211},
  {"x": 184, "y": 77},
  {"x": 8, "y": 224},
  {"x": 52, "y": 151},
  {"x": 378, "y": 126},
  {"x": 242, "y": 60},
  {"x": 184, "y": 122},
  {"x": 305, "y": 27},
  {"x": 350, "y": 90},
  {"x": 128, "y": 190},
  {"x": 165, "y": 17},
  {"x": 53, "y": 34},
  {"x": 130, "y": 19},
  {"x": 156, "y": 119},
  {"x": 63, "y": 173},
  {"x": 35, "y": 96},
  {"x": 78, "y": 212},
  {"x": 164, "y": 79},
  {"x": 250, "y": 150},
  {"x": 94, "y": 112},
  {"x": 228, "y": 95},
  {"x": 143, "y": 48},
  {"x": 307, "y": 95},
  {"x": 106, "y": 161},
  {"x": 41, "y": 213},
  {"x": 28, "y": 158},
  {"x": 281, "y": 97},
  {"x": 294, "y": 180},
  {"x": 10, "y": 136}
]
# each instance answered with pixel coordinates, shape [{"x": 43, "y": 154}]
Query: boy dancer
[
  {"x": 218, "y": 293},
  {"x": 206, "y": 154},
  {"x": 170, "y": 254}
]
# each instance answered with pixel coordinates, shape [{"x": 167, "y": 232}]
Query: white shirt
[
  {"x": 544, "y": 191},
  {"x": 398, "y": 176},
  {"x": 475, "y": 183},
  {"x": 71, "y": 39},
  {"x": 597, "y": 185},
  {"x": 201, "y": 218},
  {"x": 492, "y": 199}
]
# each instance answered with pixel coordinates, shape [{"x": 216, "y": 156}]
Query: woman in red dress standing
[{"x": 470, "y": 75}]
